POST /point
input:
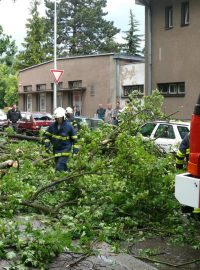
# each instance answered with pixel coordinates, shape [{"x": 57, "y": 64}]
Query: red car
[{"x": 32, "y": 122}]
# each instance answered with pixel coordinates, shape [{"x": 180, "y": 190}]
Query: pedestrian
[
  {"x": 100, "y": 112},
  {"x": 115, "y": 113},
  {"x": 62, "y": 136},
  {"x": 69, "y": 113},
  {"x": 14, "y": 115},
  {"x": 108, "y": 114},
  {"x": 76, "y": 111},
  {"x": 182, "y": 157}
]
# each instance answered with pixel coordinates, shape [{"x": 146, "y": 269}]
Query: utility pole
[{"x": 55, "y": 56}]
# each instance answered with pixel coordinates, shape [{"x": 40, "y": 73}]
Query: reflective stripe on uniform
[
  {"x": 187, "y": 151},
  {"x": 179, "y": 161},
  {"x": 64, "y": 154},
  {"x": 76, "y": 146},
  {"x": 63, "y": 138},
  {"x": 180, "y": 154},
  {"x": 196, "y": 211}
]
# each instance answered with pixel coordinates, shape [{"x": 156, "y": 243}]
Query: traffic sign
[{"x": 57, "y": 74}]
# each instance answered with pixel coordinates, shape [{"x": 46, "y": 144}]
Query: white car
[{"x": 167, "y": 135}]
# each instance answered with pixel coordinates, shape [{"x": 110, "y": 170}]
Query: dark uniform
[
  {"x": 183, "y": 152},
  {"x": 70, "y": 118},
  {"x": 14, "y": 115},
  {"x": 64, "y": 141}
]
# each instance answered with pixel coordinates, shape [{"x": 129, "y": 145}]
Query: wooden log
[
  {"x": 22, "y": 137},
  {"x": 9, "y": 163}
]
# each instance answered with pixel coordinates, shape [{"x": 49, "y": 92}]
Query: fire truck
[{"x": 187, "y": 185}]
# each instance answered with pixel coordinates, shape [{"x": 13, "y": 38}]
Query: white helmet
[
  {"x": 59, "y": 112},
  {"x": 69, "y": 110}
]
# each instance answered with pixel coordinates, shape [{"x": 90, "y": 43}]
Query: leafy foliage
[
  {"x": 119, "y": 187},
  {"x": 8, "y": 79}
]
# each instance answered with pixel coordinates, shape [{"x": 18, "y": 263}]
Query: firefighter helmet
[
  {"x": 59, "y": 112},
  {"x": 69, "y": 110}
]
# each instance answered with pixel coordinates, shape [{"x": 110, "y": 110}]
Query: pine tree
[
  {"x": 81, "y": 27},
  {"x": 35, "y": 51},
  {"x": 133, "y": 40}
]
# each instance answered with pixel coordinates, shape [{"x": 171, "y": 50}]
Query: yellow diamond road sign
[{"x": 57, "y": 74}]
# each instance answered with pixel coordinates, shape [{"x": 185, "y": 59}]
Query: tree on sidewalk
[{"x": 81, "y": 27}]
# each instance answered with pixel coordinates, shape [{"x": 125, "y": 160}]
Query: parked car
[
  {"x": 32, "y": 122},
  {"x": 92, "y": 123},
  {"x": 167, "y": 135},
  {"x": 3, "y": 120}
]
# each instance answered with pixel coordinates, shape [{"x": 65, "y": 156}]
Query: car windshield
[
  {"x": 39, "y": 116},
  {"x": 36, "y": 116}
]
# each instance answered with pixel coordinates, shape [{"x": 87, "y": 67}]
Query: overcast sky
[{"x": 13, "y": 16}]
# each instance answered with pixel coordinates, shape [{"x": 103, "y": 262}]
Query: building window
[
  {"x": 75, "y": 84},
  {"x": 29, "y": 103},
  {"x": 59, "y": 99},
  {"x": 172, "y": 89},
  {"x": 27, "y": 88},
  {"x": 128, "y": 89},
  {"x": 40, "y": 87},
  {"x": 168, "y": 17},
  {"x": 59, "y": 86},
  {"x": 42, "y": 102},
  {"x": 185, "y": 13}
]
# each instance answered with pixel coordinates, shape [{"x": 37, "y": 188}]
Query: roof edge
[
  {"x": 115, "y": 56},
  {"x": 143, "y": 2}
]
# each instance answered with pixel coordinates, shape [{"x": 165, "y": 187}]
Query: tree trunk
[{"x": 8, "y": 163}]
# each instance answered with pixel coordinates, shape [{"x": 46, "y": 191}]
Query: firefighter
[
  {"x": 182, "y": 156},
  {"x": 70, "y": 117},
  {"x": 63, "y": 138},
  {"x": 183, "y": 152}
]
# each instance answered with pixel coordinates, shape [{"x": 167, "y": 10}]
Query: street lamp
[{"x": 55, "y": 54}]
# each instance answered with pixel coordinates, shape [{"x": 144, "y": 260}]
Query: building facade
[
  {"x": 86, "y": 82},
  {"x": 172, "y": 53}
]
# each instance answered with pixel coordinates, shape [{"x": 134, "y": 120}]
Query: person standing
[
  {"x": 100, "y": 112},
  {"x": 14, "y": 115},
  {"x": 115, "y": 113},
  {"x": 108, "y": 114},
  {"x": 62, "y": 136},
  {"x": 76, "y": 111}
]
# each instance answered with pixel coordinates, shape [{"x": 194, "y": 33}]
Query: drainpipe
[
  {"x": 117, "y": 82},
  {"x": 148, "y": 51}
]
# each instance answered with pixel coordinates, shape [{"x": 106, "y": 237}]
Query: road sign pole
[{"x": 55, "y": 55}]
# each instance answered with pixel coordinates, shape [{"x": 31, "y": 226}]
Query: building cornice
[
  {"x": 143, "y": 2},
  {"x": 114, "y": 55}
]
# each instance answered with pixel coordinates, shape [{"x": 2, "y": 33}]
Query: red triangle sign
[{"x": 57, "y": 74}]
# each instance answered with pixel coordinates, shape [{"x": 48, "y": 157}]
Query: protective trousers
[{"x": 61, "y": 163}]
